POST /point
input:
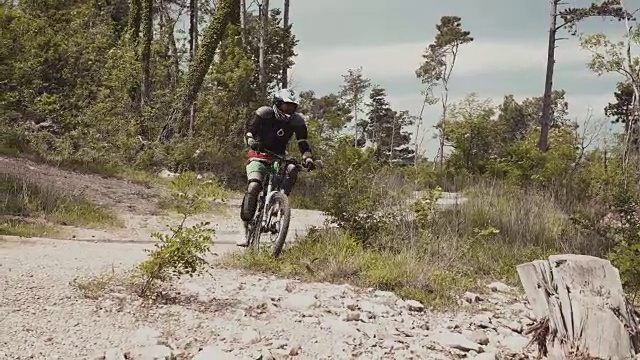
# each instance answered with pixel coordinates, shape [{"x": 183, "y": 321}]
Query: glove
[
  {"x": 309, "y": 164},
  {"x": 254, "y": 145}
]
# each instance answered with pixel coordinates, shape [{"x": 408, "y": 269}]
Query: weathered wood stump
[{"x": 580, "y": 307}]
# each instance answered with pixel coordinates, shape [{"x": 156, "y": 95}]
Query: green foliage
[
  {"x": 183, "y": 251},
  {"x": 625, "y": 255},
  {"x": 425, "y": 208},
  {"x": 351, "y": 197}
]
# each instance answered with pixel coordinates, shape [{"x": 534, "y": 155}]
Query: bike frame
[{"x": 277, "y": 171}]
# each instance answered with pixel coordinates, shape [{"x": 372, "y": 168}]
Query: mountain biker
[{"x": 271, "y": 128}]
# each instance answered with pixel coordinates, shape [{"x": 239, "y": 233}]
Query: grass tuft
[{"x": 26, "y": 199}]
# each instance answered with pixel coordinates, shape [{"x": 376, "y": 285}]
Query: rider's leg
[
  {"x": 255, "y": 171},
  {"x": 290, "y": 178}
]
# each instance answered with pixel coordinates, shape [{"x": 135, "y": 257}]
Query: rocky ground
[{"x": 225, "y": 315}]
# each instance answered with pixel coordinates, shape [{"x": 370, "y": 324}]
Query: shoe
[{"x": 244, "y": 240}]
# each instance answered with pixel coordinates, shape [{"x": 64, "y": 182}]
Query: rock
[
  {"x": 514, "y": 343},
  {"x": 504, "y": 331},
  {"x": 482, "y": 321},
  {"x": 352, "y": 316},
  {"x": 114, "y": 354},
  {"x": 213, "y": 352},
  {"x": 265, "y": 355},
  {"x": 413, "y": 305},
  {"x": 350, "y": 304},
  {"x": 340, "y": 327},
  {"x": 251, "y": 337},
  {"x": 500, "y": 287},
  {"x": 154, "y": 352},
  {"x": 300, "y": 302},
  {"x": 471, "y": 297},
  {"x": 378, "y": 310},
  {"x": 486, "y": 356},
  {"x": 295, "y": 350},
  {"x": 279, "y": 344},
  {"x": 455, "y": 341},
  {"x": 166, "y": 174},
  {"x": 477, "y": 337},
  {"x": 146, "y": 336},
  {"x": 394, "y": 345}
]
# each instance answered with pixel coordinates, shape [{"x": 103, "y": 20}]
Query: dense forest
[{"x": 104, "y": 85}]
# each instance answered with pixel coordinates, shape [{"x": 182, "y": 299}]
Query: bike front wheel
[{"x": 280, "y": 205}]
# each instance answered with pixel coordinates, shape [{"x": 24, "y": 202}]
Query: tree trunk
[
  {"x": 172, "y": 51},
  {"x": 545, "y": 120},
  {"x": 199, "y": 67},
  {"x": 145, "y": 58},
  {"x": 133, "y": 27},
  {"x": 264, "y": 28},
  {"x": 193, "y": 48},
  {"x": 580, "y": 307},
  {"x": 243, "y": 22},
  {"x": 285, "y": 66}
]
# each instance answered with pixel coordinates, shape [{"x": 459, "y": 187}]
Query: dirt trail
[{"x": 226, "y": 315}]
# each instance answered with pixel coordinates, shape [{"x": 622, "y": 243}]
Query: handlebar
[{"x": 318, "y": 163}]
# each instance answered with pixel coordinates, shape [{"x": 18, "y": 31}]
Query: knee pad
[{"x": 254, "y": 187}]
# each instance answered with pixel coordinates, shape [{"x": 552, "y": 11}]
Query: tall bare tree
[
  {"x": 193, "y": 48},
  {"x": 243, "y": 21},
  {"x": 145, "y": 56},
  {"x": 569, "y": 18},
  {"x": 439, "y": 60},
  {"x": 264, "y": 32},
  {"x": 285, "y": 66}
]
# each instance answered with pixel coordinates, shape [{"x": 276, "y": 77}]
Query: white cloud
[{"x": 389, "y": 60}]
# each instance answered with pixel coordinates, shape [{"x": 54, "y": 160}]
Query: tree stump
[{"x": 581, "y": 309}]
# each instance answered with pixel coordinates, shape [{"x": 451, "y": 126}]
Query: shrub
[{"x": 183, "y": 251}]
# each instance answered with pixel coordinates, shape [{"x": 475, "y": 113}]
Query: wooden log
[{"x": 582, "y": 305}]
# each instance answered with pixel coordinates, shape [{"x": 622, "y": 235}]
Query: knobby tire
[{"x": 283, "y": 201}]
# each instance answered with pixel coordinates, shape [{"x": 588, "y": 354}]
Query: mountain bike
[{"x": 273, "y": 213}]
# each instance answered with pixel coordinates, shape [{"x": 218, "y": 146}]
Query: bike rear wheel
[{"x": 281, "y": 201}]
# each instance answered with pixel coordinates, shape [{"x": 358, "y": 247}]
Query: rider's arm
[
  {"x": 255, "y": 122},
  {"x": 252, "y": 128},
  {"x": 300, "y": 129}
]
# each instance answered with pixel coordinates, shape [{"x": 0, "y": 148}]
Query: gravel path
[{"x": 230, "y": 313}]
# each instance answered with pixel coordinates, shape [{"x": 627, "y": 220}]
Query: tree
[
  {"x": 616, "y": 57},
  {"x": 384, "y": 126},
  {"x": 519, "y": 118},
  {"x": 439, "y": 60},
  {"x": 193, "y": 48},
  {"x": 263, "y": 14},
  {"x": 379, "y": 115},
  {"x": 622, "y": 110},
  {"x": 198, "y": 69},
  {"x": 326, "y": 116},
  {"x": 278, "y": 49},
  {"x": 145, "y": 57},
  {"x": 286, "y": 26},
  {"x": 352, "y": 92},
  {"x": 570, "y": 17},
  {"x": 473, "y": 134}
]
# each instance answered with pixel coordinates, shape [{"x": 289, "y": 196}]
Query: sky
[{"x": 387, "y": 38}]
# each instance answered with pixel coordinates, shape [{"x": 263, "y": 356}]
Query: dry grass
[
  {"x": 436, "y": 257},
  {"x": 332, "y": 256},
  {"x": 22, "y": 198},
  {"x": 24, "y": 228}
]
